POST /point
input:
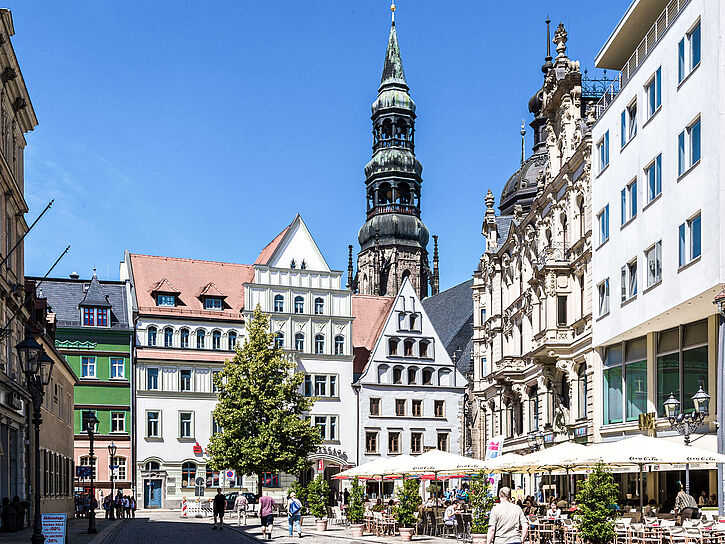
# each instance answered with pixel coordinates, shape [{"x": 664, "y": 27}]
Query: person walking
[
  {"x": 219, "y": 503},
  {"x": 240, "y": 505},
  {"x": 126, "y": 507},
  {"x": 294, "y": 514},
  {"x": 507, "y": 523},
  {"x": 266, "y": 505}
]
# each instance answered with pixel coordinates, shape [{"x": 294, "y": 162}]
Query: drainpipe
[
  {"x": 720, "y": 400},
  {"x": 356, "y": 389}
]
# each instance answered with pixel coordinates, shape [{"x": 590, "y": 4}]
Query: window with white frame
[
  {"x": 86, "y": 461},
  {"x": 320, "y": 385},
  {"x": 185, "y": 379},
  {"x": 117, "y": 368},
  {"x": 603, "y": 289},
  {"x": 653, "y": 258},
  {"x": 186, "y": 424},
  {"x": 653, "y": 92},
  {"x": 118, "y": 422},
  {"x": 232, "y": 339},
  {"x": 152, "y": 379},
  {"x": 688, "y": 147},
  {"x": 88, "y": 367},
  {"x": 184, "y": 336},
  {"x": 153, "y": 424},
  {"x": 629, "y": 202},
  {"x": 653, "y": 175},
  {"x": 603, "y": 221},
  {"x": 327, "y": 425},
  {"x": 603, "y": 151},
  {"x": 629, "y": 280},
  {"x": 120, "y": 466},
  {"x": 151, "y": 336},
  {"x": 629, "y": 123},
  {"x": 168, "y": 337},
  {"x": 690, "y": 240},
  {"x": 371, "y": 441},
  {"x": 689, "y": 52},
  {"x": 200, "y": 339}
]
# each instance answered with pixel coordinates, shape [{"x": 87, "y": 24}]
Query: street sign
[
  {"x": 200, "y": 482},
  {"x": 199, "y": 491},
  {"x": 83, "y": 472},
  {"x": 54, "y": 528},
  {"x": 230, "y": 474}
]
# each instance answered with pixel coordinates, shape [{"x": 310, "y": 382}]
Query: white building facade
[{"x": 657, "y": 196}]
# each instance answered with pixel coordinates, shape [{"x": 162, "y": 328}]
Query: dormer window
[
  {"x": 95, "y": 317},
  {"x": 165, "y": 300},
  {"x": 212, "y": 303}
]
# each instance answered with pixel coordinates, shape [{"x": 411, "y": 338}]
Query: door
[{"x": 152, "y": 494}]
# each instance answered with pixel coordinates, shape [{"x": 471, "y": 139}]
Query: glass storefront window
[
  {"x": 694, "y": 372},
  {"x": 668, "y": 379},
  {"x": 613, "y": 396},
  {"x": 636, "y": 386}
]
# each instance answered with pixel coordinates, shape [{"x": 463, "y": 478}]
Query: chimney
[{"x": 74, "y": 275}]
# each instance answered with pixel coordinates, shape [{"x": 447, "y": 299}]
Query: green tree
[
  {"x": 596, "y": 501},
  {"x": 261, "y": 409},
  {"x": 356, "y": 508},
  {"x": 481, "y": 501},
  {"x": 317, "y": 494},
  {"x": 408, "y": 502}
]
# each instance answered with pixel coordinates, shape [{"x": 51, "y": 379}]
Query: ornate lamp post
[
  {"x": 89, "y": 424},
  {"x": 36, "y": 366},
  {"x": 535, "y": 440},
  {"x": 111, "y": 465},
  {"x": 686, "y": 423}
]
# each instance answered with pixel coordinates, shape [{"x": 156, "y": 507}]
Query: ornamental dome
[
  {"x": 393, "y": 229},
  {"x": 521, "y": 188},
  {"x": 393, "y": 159},
  {"x": 393, "y": 98}
]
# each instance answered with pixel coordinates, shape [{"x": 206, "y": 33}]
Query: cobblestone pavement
[{"x": 167, "y": 527}]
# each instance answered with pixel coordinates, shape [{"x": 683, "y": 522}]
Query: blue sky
[{"x": 199, "y": 129}]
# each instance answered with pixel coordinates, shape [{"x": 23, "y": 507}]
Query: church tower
[{"x": 393, "y": 240}]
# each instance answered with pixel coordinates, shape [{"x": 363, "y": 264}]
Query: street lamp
[
  {"x": 686, "y": 423},
  {"x": 89, "y": 425},
  {"x": 36, "y": 366},
  {"x": 112, "y": 458},
  {"x": 535, "y": 440}
]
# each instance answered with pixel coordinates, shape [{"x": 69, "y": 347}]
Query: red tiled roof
[
  {"x": 271, "y": 247},
  {"x": 189, "y": 277},
  {"x": 370, "y": 313}
]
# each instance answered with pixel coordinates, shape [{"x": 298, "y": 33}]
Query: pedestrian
[
  {"x": 126, "y": 507},
  {"x": 133, "y": 506},
  {"x": 240, "y": 505},
  {"x": 266, "y": 505},
  {"x": 683, "y": 500},
  {"x": 507, "y": 523},
  {"x": 218, "y": 505},
  {"x": 107, "y": 505},
  {"x": 118, "y": 503},
  {"x": 346, "y": 496},
  {"x": 294, "y": 514}
]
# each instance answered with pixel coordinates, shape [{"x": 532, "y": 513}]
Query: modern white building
[{"x": 657, "y": 197}]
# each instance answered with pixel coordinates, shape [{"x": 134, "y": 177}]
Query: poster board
[{"x": 55, "y": 528}]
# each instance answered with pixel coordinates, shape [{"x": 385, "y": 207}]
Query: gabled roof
[
  {"x": 370, "y": 313},
  {"x": 95, "y": 296},
  {"x": 211, "y": 290},
  {"x": 294, "y": 244},
  {"x": 164, "y": 286},
  {"x": 270, "y": 248}
]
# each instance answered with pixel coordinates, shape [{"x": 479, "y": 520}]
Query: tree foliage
[
  {"x": 408, "y": 502},
  {"x": 597, "y": 499},
  {"x": 318, "y": 493},
  {"x": 356, "y": 508},
  {"x": 261, "y": 409},
  {"x": 481, "y": 500}
]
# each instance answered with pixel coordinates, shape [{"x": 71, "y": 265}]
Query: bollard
[{"x": 183, "y": 507}]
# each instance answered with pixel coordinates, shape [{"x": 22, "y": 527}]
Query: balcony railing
[
  {"x": 645, "y": 47},
  {"x": 394, "y": 208},
  {"x": 393, "y": 142}
]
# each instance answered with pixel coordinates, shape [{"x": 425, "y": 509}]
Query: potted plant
[
  {"x": 356, "y": 509},
  {"x": 318, "y": 493},
  {"x": 481, "y": 501},
  {"x": 597, "y": 510},
  {"x": 435, "y": 490},
  {"x": 406, "y": 511}
]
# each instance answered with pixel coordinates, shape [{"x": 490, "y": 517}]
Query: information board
[{"x": 54, "y": 528}]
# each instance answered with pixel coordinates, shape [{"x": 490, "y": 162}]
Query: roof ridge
[{"x": 184, "y": 259}]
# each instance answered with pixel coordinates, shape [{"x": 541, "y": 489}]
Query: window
[
  {"x": 299, "y": 341},
  {"x": 215, "y": 427},
  {"x": 213, "y": 303},
  {"x": 152, "y": 465},
  {"x": 534, "y": 408},
  {"x": 393, "y": 442},
  {"x": 152, "y": 379},
  {"x": 689, "y": 240},
  {"x": 483, "y": 316},
  {"x": 408, "y": 348},
  {"x": 232, "y": 338},
  {"x": 583, "y": 386},
  {"x": 319, "y": 344},
  {"x": 319, "y": 306},
  {"x": 629, "y": 202},
  {"x": 118, "y": 422},
  {"x": 299, "y": 305},
  {"x": 168, "y": 337},
  {"x": 151, "y": 336},
  {"x": 374, "y": 407},
  {"x": 279, "y": 340},
  {"x": 603, "y": 289},
  {"x": 120, "y": 464},
  {"x": 270, "y": 479},
  {"x": 603, "y": 151},
  {"x": 153, "y": 424},
  {"x": 165, "y": 300},
  {"x": 216, "y": 340},
  {"x": 412, "y": 375},
  {"x": 102, "y": 317},
  {"x": 603, "y": 219},
  {"x": 399, "y": 407},
  {"x": 416, "y": 442},
  {"x": 653, "y": 174},
  {"x": 413, "y": 322},
  {"x": 392, "y": 346},
  {"x": 653, "y": 257},
  {"x": 86, "y": 461},
  {"x": 371, "y": 442},
  {"x": 629, "y": 123},
  {"x": 688, "y": 147},
  {"x": 416, "y": 408},
  {"x": 89, "y": 317},
  {"x": 625, "y": 379},
  {"x": 561, "y": 320},
  {"x": 689, "y": 53},
  {"x": 398, "y": 374},
  {"x": 188, "y": 474},
  {"x": 427, "y": 376},
  {"x": 278, "y": 303},
  {"x": 423, "y": 348},
  {"x": 320, "y": 385},
  {"x": 186, "y": 428},
  {"x": 653, "y": 92},
  {"x": 88, "y": 367},
  {"x": 439, "y": 408},
  {"x": 185, "y": 379},
  {"x": 214, "y": 380},
  {"x": 629, "y": 280},
  {"x": 212, "y": 478},
  {"x": 327, "y": 425},
  {"x": 200, "y": 339},
  {"x": 339, "y": 345},
  {"x": 184, "y": 338},
  {"x": 442, "y": 441}
]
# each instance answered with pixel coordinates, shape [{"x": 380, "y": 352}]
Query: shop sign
[{"x": 54, "y": 528}]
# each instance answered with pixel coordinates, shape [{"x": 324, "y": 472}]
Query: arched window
[
  {"x": 319, "y": 306},
  {"x": 168, "y": 337},
  {"x": 188, "y": 474},
  {"x": 200, "y": 339},
  {"x": 184, "y": 335},
  {"x": 278, "y": 303},
  {"x": 404, "y": 190},
  {"x": 393, "y": 346},
  {"x": 339, "y": 344},
  {"x": 319, "y": 344},
  {"x": 382, "y": 374},
  {"x": 152, "y": 466},
  {"x": 232, "y": 340},
  {"x": 427, "y": 376},
  {"x": 216, "y": 340},
  {"x": 423, "y": 348},
  {"x": 299, "y": 341},
  {"x": 151, "y": 336},
  {"x": 385, "y": 193},
  {"x": 299, "y": 305},
  {"x": 583, "y": 387},
  {"x": 444, "y": 377},
  {"x": 582, "y": 224},
  {"x": 397, "y": 374},
  {"x": 412, "y": 375},
  {"x": 408, "y": 348},
  {"x": 413, "y": 322},
  {"x": 279, "y": 340}
]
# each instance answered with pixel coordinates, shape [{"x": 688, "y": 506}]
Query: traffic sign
[
  {"x": 200, "y": 482},
  {"x": 230, "y": 474}
]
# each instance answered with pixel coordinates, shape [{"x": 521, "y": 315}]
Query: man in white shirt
[
  {"x": 507, "y": 523},
  {"x": 240, "y": 505}
]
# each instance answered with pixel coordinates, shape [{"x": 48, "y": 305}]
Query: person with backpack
[{"x": 294, "y": 514}]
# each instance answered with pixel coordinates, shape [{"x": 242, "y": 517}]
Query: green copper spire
[{"x": 393, "y": 73}]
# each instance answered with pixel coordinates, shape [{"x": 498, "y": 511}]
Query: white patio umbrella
[
  {"x": 441, "y": 462},
  {"x": 385, "y": 466}
]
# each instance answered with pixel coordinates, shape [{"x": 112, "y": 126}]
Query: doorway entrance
[{"x": 152, "y": 494}]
